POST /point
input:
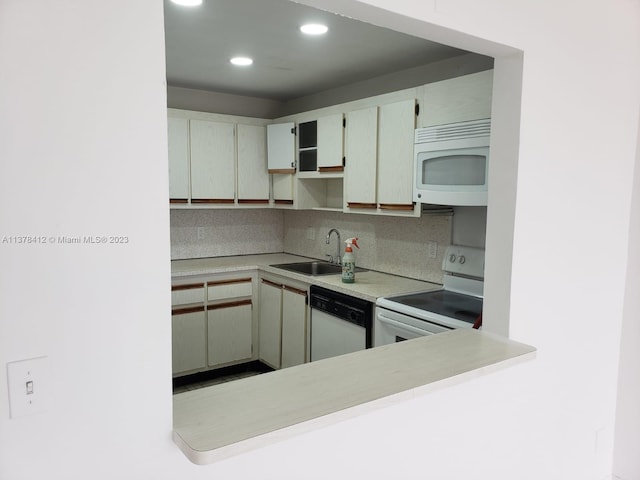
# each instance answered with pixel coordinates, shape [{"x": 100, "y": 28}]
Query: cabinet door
[
  {"x": 281, "y": 148},
  {"x": 253, "y": 178},
  {"x": 188, "y": 339},
  {"x": 330, "y": 142},
  {"x": 396, "y": 126},
  {"x": 457, "y": 99},
  {"x": 283, "y": 188},
  {"x": 361, "y": 158},
  {"x": 294, "y": 326},
  {"x": 229, "y": 332},
  {"x": 270, "y": 323},
  {"x": 178, "y": 132},
  {"x": 212, "y": 161}
]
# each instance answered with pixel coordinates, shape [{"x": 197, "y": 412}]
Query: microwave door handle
[{"x": 403, "y": 326}]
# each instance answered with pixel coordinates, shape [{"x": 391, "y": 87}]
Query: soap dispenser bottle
[{"x": 349, "y": 261}]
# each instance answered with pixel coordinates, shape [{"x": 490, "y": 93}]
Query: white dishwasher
[{"x": 339, "y": 323}]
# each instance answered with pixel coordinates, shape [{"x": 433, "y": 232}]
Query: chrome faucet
[{"x": 335, "y": 260}]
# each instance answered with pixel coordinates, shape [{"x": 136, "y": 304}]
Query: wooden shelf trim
[
  {"x": 281, "y": 171},
  {"x": 397, "y": 206},
  {"x": 362, "y": 205},
  {"x": 338, "y": 168},
  {"x": 178, "y": 200},
  {"x": 257, "y": 200}
]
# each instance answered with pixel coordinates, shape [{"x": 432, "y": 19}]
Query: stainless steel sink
[{"x": 314, "y": 268}]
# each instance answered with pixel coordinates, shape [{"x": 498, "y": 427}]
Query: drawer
[
  {"x": 185, "y": 294},
  {"x": 223, "y": 289}
]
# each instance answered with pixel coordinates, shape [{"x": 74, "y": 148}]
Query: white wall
[
  {"x": 217, "y": 102},
  {"x": 83, "y": 151}
]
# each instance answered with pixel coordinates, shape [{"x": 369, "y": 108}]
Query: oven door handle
[{"x": 403, "y": 326}]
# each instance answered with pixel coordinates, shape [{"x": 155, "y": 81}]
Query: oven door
[{"x": 392, "y": 327}]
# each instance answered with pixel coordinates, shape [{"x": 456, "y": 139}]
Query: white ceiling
[{"x": 287, "y": 64}]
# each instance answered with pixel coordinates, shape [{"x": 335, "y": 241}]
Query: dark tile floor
[{"x": 216, "y": 377}]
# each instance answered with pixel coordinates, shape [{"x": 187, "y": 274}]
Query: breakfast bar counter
[{"x": 220, "y": 421}]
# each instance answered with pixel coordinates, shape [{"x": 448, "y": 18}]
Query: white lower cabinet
[
  {"x": 188, "y": 336},
  {"x": 214, "y": 323},
  {"x": 270, "y": 323},
  {"x": 294, "y": 327},
  {"x": 283, "y": 324},
  {"x": 229, "y": 333}
]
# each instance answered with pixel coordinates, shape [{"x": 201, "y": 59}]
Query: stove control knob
[
  {"x": 452, "y": 258},
  {"x": 462, "y": 259}
]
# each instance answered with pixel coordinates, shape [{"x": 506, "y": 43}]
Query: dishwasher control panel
[{"x": 345, "y": 307}]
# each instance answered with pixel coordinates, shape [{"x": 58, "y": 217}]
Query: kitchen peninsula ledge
[
  {"x": 369, "y": 285},
  {"x": 214, "y": 423}
]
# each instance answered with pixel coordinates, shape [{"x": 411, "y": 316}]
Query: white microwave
[{"x": 452, "y": 163}]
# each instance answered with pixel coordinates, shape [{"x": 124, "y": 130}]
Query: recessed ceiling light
[
  {"x": 314, "y": 29},
  {"x": 242, "y": 61},
  {"x": 188, "y": 3}
]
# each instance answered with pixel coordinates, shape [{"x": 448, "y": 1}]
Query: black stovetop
[{"x": 462, "y": 307}]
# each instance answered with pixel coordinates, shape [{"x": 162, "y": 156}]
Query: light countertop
[
  {"x": 369, "y": 285},
  {"x": 217, "y": 422}
]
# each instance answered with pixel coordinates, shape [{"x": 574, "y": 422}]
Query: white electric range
[{"x": 458, "y": 304}]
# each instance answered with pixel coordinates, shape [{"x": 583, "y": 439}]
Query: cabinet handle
[
  {"x": 361, "y": 205},
  {"x": 397, "y": 206},
  {"x": 273, "y": 284},
  {"x": 281, "y": 170},
  {"x": 212, "y": 200},
  {"x": 295, "y": 290},
  {"x": 189, "y": 286},
  {"x": 182, "y": 311},
  {"x": 178, "y": 200},
  {"x": 338, "y": 168},
  {"x": 228, "y": 282},
  {"x": 257, "y": 200},
  {"x": 236, "y": 303},
  {"x": 283, "y": 202}
]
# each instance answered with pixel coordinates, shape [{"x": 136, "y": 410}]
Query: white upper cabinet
[
  {"x": 281, "y": 148},
  {"x": 212, "y": 161},
  {"x": 330, "y": 142},
  {"x": 457, "y": 99},
  {"x": 253, "y": 179},
  {"x": 396, "y": 125},
  {"x": 361, "y": 158},
  {"x": 178, "y": 131}
]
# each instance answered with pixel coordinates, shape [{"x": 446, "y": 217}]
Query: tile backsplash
[
  {"x": 411, "y": 247},
  {"x": 225, "y": 232},
  {"x": 388, "y": 244}
]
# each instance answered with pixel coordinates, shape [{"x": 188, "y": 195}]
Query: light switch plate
[{"x": 28, "y": 386}]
